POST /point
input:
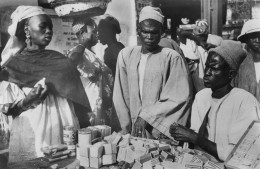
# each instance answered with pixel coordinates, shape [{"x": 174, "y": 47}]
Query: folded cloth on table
[
  {"x": 54, "y": 149},
  {"x": 58, "y": 154}
]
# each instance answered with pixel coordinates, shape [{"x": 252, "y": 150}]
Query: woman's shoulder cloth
[{"x": 56, "y": 53}]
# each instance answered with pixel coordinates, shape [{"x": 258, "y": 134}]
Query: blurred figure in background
[
  {"x": 195, "y": 47},
  {"x": 205, "y": 39},
  {"x": 249, "y": 73},
  {"x": 96, "y": 77},
  {"x": 5, "y": 121},
  {"x": 108, "y": 27},
  {"x": 234, "y": 34},
  {"x": 170, "y": 43}
]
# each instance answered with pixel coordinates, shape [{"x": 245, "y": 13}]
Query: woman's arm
[
  {"x": 35, "y": 97},
  {"x": 76, "y": 55},
  {"x": 16, "y": 109}
]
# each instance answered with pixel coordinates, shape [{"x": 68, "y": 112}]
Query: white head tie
[
  {"x": 149, "y": 12},
  {"x": 14, "y": 45}
]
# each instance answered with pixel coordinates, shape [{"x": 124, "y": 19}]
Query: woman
[
  {"x": 44, "y": 92},
  {"x": 96, "y": 77},
  {"x": 107, "y": 29}
]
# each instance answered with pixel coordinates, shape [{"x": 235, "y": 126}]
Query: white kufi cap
[{"x": 149, "y": 12}]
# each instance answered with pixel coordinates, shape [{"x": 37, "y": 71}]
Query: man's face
[
  {"x": 150, "y": 34},
  {"x": 253, "y": 41},
  {"x": 217, "y": 72},
  {"x": 103, "y": 32},
  {"x": 102, "y": 36}
]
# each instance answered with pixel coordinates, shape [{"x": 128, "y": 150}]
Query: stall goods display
[{"x": 246, "y": 154}]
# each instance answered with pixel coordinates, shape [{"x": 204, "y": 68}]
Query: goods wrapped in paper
[
  {"x": 99, "y": 131},
  {"x": 126, "y": 151},
  {"x": 74, "y": 7},
  {"x": 58, "y": 152},
  {"x": 246, "y": 154}
]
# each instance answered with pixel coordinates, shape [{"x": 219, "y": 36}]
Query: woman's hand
[
  {"x": 36, "y": 96},
  {"x": 181, "y": 133},
  {"x": 139, "y": 128}
]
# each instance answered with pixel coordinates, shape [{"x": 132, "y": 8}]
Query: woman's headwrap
[
  {"x": 201, "y": 28},
  {"x": 111, "y": 22},
  {"x": 14, "y": 45},
  {"x": 77, "y": 25},
  {"x": 81, "y": 24},
  {"x": 149, "y": 12}
]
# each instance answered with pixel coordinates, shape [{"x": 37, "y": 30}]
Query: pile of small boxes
[
  {"x": 98, "y": 154},
  {"x": 141, "y": 154},
  {"x": 152, "y": 154}
]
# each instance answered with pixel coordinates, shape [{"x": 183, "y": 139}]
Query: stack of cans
[{"x": 70, "y": 138}]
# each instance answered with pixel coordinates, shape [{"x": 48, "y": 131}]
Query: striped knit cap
[
  {"x": 77, "y": 25},
  {"x": 232, "y": 52}
]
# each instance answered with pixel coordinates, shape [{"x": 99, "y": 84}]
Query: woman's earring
[{"x": 28, "y": 39}]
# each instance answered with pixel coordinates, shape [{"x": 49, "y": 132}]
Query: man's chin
[
  {"x": 151, "y": 48},
  {"x": 207, "y": 85},
  {"x": 257, "y": 50}
]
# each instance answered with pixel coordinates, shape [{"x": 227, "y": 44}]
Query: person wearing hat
[
  {"x": 152, "y": 85},
  {"x": 96, "y": 77},
  {"x": 43, "y": 92},
  {"x": 220, "y": 113},
  {"x": 205, "y": 39},
  {"x": 195, "y": 46},
  {"x": 248, "y": 76},
  {"x": 108, "y": 27}
]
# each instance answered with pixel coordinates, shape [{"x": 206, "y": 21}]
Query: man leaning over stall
[{"x": 220, "y": 113}]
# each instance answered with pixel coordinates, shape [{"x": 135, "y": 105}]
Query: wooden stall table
[{"x": 41, "y": 163}]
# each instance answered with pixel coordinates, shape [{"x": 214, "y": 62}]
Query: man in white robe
[
  {"x": 220, "y": 113},
  {"x": 152, "y": 85}
]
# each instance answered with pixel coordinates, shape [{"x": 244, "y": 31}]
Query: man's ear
[
  {"x": 232, "y": 74},
  {"x": 162, "y": 32},
  {"x": 139, "y": 29}
]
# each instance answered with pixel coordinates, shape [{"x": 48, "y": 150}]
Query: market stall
[{"x": 98, "y": 148}]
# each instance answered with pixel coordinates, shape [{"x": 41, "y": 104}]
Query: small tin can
[
  {"x": 69, "y": 135},
  {"x": 84, "y": 137}
]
